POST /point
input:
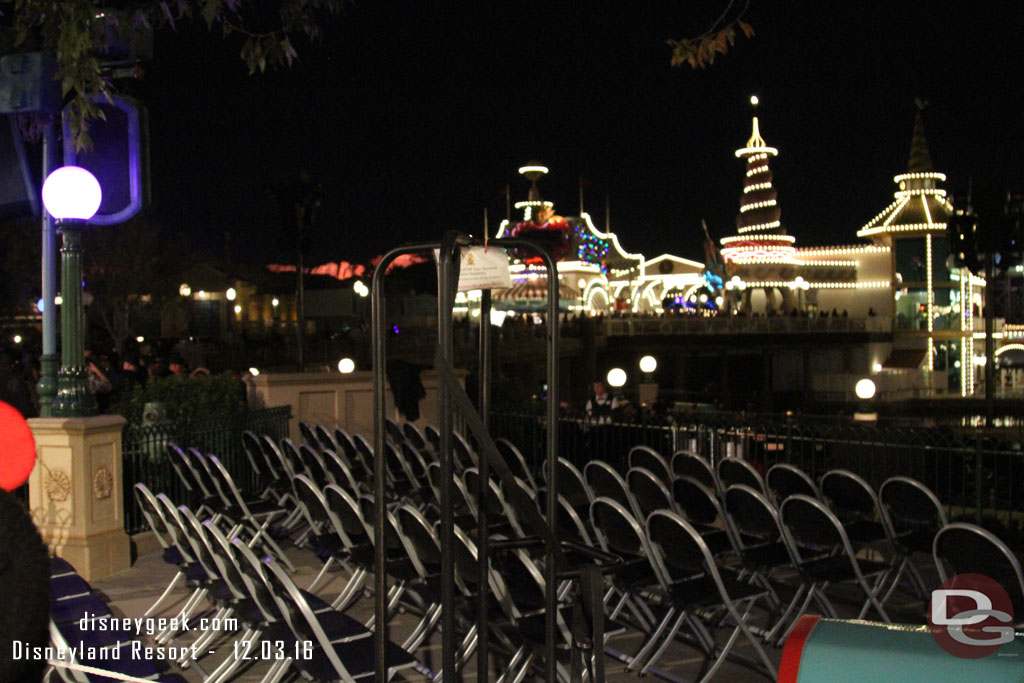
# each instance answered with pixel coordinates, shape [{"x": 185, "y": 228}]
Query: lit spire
[
  {"x": 760, "y": 236},
  {"x": 920, "y": 160}
]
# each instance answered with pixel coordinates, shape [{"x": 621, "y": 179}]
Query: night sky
[{"x": 415, "y": 114}]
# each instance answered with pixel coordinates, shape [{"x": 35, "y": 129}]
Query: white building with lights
[{"x": 918, "y": 319}]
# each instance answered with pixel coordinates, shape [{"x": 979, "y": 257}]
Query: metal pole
[
  {"x": 47, "y": 387},
  {"x": 446, "y": 299},
  {"x": 377, "y": 322},
  {"x": 377, "y": 317},
  {"x": 990, "y": 342},
  {"x": 551, "y": 568},
  {"x": 300, "y": 309},
  {"x": 483, "y": 492},
  {"x": 483, "y": 488},
  {"x": 73, "y": 396}
]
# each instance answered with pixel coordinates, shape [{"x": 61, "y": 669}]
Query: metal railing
[
  {"x": 145, "y": 460},
  {"x": 978, "y": 475}
]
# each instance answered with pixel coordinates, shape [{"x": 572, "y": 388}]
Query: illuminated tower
[
  {"x": 760, "y": 236},
  {"x": 933, "y": 302}
]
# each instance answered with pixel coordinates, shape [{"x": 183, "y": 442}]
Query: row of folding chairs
[
  {"x": 903, "y": 516},
  {"x": 90, "y": 651},
  {"x": 228, "y": 575}
]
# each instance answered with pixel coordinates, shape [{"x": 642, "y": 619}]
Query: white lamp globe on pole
[{"x": 72, "y": 195}]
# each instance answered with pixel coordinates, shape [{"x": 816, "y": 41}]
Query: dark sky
[{"x": 415, "y": 114}]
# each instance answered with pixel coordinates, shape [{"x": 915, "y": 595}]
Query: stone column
[{"x": 76, "y": 492}]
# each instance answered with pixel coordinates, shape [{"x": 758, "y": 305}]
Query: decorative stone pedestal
[{"x": 76, "y": 492}]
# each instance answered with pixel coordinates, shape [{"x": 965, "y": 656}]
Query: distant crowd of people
[{"x": 110, "y": 376}]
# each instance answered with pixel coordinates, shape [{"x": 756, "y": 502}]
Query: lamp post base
[{"x": 73, "y": 396}]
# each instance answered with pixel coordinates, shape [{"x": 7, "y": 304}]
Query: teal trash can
[{"x": 836, "y": 651}]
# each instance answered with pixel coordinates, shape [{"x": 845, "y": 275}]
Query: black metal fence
[
  {"x": 145, "y": 458},
  {"x": 978, "y": 475}
]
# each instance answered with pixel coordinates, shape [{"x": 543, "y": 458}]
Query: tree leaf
[{"x": 747, "y": 29}]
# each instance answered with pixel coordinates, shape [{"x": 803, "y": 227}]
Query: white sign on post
[{"x": 482, "y": 268}]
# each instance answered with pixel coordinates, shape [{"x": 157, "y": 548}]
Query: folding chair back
[
  {"x": 276, "y": 462},
  {"x": 689, "y": 464},
  {"x": 414, "y": 436},
  {"x": 186, "y": 474},
  {"x": 961, "y": 548},
  {"x": 340, "y": 472},
  {"x": 433, "y": 437},
  {"x": 422, "y": 536},
  {"x": 313, "y": 463},
  {"x": 752, "y": 514},
  {"x": 465, "y": 456},
  {"x": 311, "y": 503},
  {"x": 696, "y": 502},
  {"x": 416, "y": 465},
  {"x": 254, "y": 454},
  {"x": 365, "y": 453},
  {"x": 651, "y": 460},
  {"x": 648, "y": 491},
  {"x": 784, "y": 480},
  {"x": 166, "y": 534},
  {"x": 572, "y": 485},
  {"x": 604, "y": 481},
  {"x": 856, "y": 505},
  {"x": 347, "y": 511},
  {"x": 813, "y": 526},
  {"x": 392, "y": 431},
  {"x": 915, "y": 512},
  {"x": 515, "y": 460},
  {"x": 306, "y": 430},
  {"x": 615, "y": 524},
  {"x": 739, "y": 471},
  {"x": 346, "y": 447},
  {"x": 325, "y": 438},
  {"x": 291, "y": 457}
]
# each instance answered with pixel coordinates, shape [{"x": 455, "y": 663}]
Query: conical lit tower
[
  {"x": 760, "y": 236},
  {"x": 932, "y": 302}
]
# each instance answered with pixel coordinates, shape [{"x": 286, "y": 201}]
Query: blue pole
[{"x": 47, "y": 387}]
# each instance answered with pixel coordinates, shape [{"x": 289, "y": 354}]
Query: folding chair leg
[
  {"x": 322, "y": 574},
  {"x": 167, "y": 591},
  {"x": 654, "y": 639},
  {"x": 665, "y": 642},
  {"x": 512, "y": 668},
  {"x": 350, "y": 593},
  {"x": 167, "y": 634},
  {"x": 231, "y": 663}
]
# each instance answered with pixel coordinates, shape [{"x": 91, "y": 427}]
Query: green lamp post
[{"x": 72, "y": 196}]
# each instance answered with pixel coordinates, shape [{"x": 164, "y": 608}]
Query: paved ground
[{"x": 131, "y": 593}]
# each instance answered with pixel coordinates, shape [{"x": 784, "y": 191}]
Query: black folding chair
[
  {"x": 693, "y": 583},
  {"x": 915, "y": 515},
  {"x": 255, "y": 515},
  {"x": 817, "y": 531}
]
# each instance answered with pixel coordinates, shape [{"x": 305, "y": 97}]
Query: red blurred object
[
  {"x": 553, "y": 234},
  {"x": 19, "y": 456}
]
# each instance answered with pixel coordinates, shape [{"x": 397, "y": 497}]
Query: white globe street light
[
  {"x": 346, "y": 365},
  {"x": 648, "y": 364},
  {"x": 72, "y": 195},
  {"x": 865, "y": 389},
  {"x": 616, "y": 377}
]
